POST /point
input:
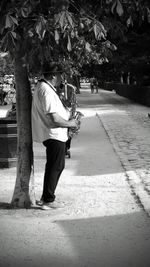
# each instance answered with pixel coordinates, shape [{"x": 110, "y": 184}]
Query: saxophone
[
  {"x": 74, "y": 114},
  {"x": 78, "y": 115}
]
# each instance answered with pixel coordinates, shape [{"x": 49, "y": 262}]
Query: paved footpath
[
  {"x": 128, "y": 127},
  {"x": 105, "y": 189}
]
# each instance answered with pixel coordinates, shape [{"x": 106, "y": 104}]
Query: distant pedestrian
[
  {"x": 96, "y": 85},
  {"x": 92, "y": 85}
]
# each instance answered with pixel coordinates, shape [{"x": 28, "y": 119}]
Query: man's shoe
[
  {"x": 68, "y": 154},
  {"x": 52, "y": 205},
  {"x": 39, "y": 202}
]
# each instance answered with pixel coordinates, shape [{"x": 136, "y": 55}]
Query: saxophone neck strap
[{"x": 53, "y": 88}]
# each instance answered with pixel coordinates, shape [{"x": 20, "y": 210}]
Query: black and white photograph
[{"x": 74, "y": 133}]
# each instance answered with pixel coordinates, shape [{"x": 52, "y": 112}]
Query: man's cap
[{"x": 51, "y": 68}]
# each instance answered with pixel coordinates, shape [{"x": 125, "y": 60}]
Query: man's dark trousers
[{"x": 55, "y": 163}]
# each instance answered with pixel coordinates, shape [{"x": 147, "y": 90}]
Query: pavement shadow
[
  {"x": 92, "y": 150},
  {"x": 7, "y": 206},
  {"x": 111, "y": 241}
]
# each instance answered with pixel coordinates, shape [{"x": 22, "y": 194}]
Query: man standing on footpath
[{"x": 50, "y": 123}]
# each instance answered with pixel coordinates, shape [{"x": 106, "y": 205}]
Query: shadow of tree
[
  {"x": 5, "y": 206},
  {"x": 8, "y": 206},
  {"x": 111, "y": 241}
]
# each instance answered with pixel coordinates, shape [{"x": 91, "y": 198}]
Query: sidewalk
[
  {"x": 128, "y": 127},
  {"x": 103, "y": 223}
]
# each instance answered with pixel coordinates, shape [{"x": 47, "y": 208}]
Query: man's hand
[
  {"x": 58, "y": 121},
  {"x": 73, "y": 123}
]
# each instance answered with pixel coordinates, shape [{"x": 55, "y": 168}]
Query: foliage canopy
[{"x": 71, "y": 32}]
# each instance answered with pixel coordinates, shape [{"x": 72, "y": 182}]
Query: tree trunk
[{"x": 23, "y": 195}]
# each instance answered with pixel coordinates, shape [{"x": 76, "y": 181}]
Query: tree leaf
[
  {"x": 69, "y": 18},
  {"x": 119, "y": 8},
  {"x": 4, "y": 43},
  {"x": 88, "y": 47},
  {"x": 113, "y": 6},
  {"x": 69, "y": 44},
  {"x": 72, "y": 34},
  {"x": 99, "y": 31},
  {"x": 12, "y": 38},
  {"x": 8, "y": 22},
  {"x": 129, "y": 21},
  {"x": 108, "y": 1},
  {"x": 14, "y": 34},
  {"x": 30, "y": 33},
  {"x": 62, "y": 19},
  {"x": 56, "y": 36},
  {"x": 25, "y": 11},
  {"x": 110, "y": 45},
  {"x": 102, "y": 28},
  {"x": 8, "y": 42},
  {"x": 95, "y": 31},
  {"x": 14, "y": 20},
  {"x": 57, "y": 18},
  {"x": 40, "y": 27}
]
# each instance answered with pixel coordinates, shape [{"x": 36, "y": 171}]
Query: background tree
[{"x": 128, "y": 26}]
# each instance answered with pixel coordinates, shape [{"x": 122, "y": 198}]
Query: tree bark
[{"x": 23, "y": 195}]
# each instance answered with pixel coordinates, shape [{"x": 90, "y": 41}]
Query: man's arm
[{"x": 58, "y": 121}]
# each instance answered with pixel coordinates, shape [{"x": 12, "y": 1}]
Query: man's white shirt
[{"x": 46, "y": 101}]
